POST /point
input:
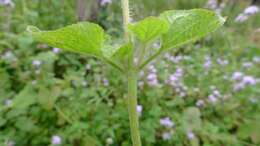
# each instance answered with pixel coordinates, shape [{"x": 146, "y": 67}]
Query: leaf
[
  {"x": 122, "y": 54},
  {"x": 47, "y": 97},
  {"x": 149, "y": 29},
  {"x": 25, "y": 124},
  {"x": 25, "y": 98},
  {"x": 191, "y": 118},
  {"x": 189, "y": 25},
  {"x": 84, "y": 37}
]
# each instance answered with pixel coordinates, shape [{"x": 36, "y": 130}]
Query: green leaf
[
  {"x": 47, "y": 97},
  {"x": 25, "y": 98},
  {"x": 191, "y": 118},
  {"x": 25, "y": 124},
  {"x": 149, "y": 29},
  {"x": 189, "y": 25},
  {"x": 84, "y": 37},
  {"x": 121, "y": 56}
]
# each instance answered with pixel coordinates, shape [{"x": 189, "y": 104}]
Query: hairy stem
[
  {"x": 132, "y": 82},
  {"x": 132, "y": 104},
  {"x": 126, "y": 17}
]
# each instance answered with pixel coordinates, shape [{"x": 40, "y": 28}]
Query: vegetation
[{"x": 205, "y": 93}]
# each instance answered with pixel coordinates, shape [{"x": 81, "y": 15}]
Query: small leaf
[
  {"x": 191, "y": 118},
  {"x": 25, "y": 98},
  {"x": 122, "y": 54},
  {"x": 189, "y": 25},
  {"x": 83, "y": 37},
  {"x": 149, "y": 29}
]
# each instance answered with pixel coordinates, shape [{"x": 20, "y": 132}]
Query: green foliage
[
  {"x": 176, "y": 27},
  {"x": 86, "y": 38},
  {"x": 97, "y": 111},
  {"x": 149, "y": 29},
  {"x": 189, "y": 25}
]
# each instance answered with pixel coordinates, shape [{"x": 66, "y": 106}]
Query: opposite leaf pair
[{"x": 174, "y": 28}]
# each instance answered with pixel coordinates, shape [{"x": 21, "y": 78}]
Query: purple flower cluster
[
  {"x": 213, "y": 97},
  {"x": 207, "y": 64},
  {"x": 173, "y": 59},
  {"x": 56, "y": 140},
  {"x": 7, "y": 3},
  {"x": 175, "y": 80},
  {"x": 169, "y": 124},
  {"x": 200, "y": 103},
  {"x": 105, "y": 2},
  {"x": 222, "y": 62},
  {"x": 241, "y": 81},
  {"x": 152, "y": 78},
  {"x": 213, "y": 4},
  {"x": 248, "y": 12}
]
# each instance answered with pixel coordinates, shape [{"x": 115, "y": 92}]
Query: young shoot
[{"x": 171, "y": 29}]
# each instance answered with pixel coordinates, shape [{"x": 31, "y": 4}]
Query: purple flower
[
  {"x": 152, "y": 76},
  {"x": 200, "y": 103},
  {"x": 216, "y": 93},
  {"x": 207, "y": 63},
  {"x": 213, "y": 99},
  {"x": 139, "y": 109},
  {"x": 249, "y": 80},
  {"x": 6, "y": 2},
  {"x": 105, "y": 82},
  {"x": 251, "y": 10},
  {"x": 247, "y": 64},
  {"x": 166, "y": 122},
  {"x": 56, "y": 140},
  {"x": 237, "y": 76},
  {"x": 56, "y": 50},
  {"x": 167, "y": 135},
  {"x": 190, "y": 135},
  {"x": 241, "y": 18},
  {"x": 105, "y": 2},
  {"x": 36, "y": 63},
  {"x": 238, "y": 86},
  {"x": 222, "y": 62}
]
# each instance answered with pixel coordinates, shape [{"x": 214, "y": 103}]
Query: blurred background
[{"x": 204, "y": 94}]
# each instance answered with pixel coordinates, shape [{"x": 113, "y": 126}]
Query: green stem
[
  {"x": 132, "y": 82},
  {"x": 150, "y": 59},
  {"x": 126, "y": 17},
  {"x": 132, "y": 104}
]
